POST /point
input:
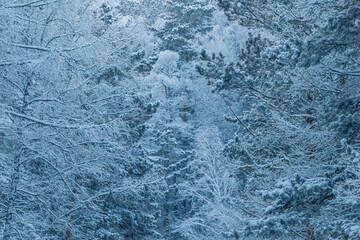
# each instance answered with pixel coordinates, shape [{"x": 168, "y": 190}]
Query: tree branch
[
  {"x": 25, "y": 4},
  {"x": 236, "y": 116},
  {"x": 40, "y": 121}
]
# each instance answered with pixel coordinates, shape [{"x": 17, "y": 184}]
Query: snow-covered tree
[
  {"x": 285, "y": 91},
  {"x": 70, "y": 129}
]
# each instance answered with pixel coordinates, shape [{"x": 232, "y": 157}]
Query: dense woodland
[{"x": 179, "y": 119}]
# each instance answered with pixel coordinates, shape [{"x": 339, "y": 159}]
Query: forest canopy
[{"x": 179, "y": 119}]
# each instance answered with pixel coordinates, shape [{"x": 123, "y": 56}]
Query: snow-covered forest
[{"x": 179, "y": 119}]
